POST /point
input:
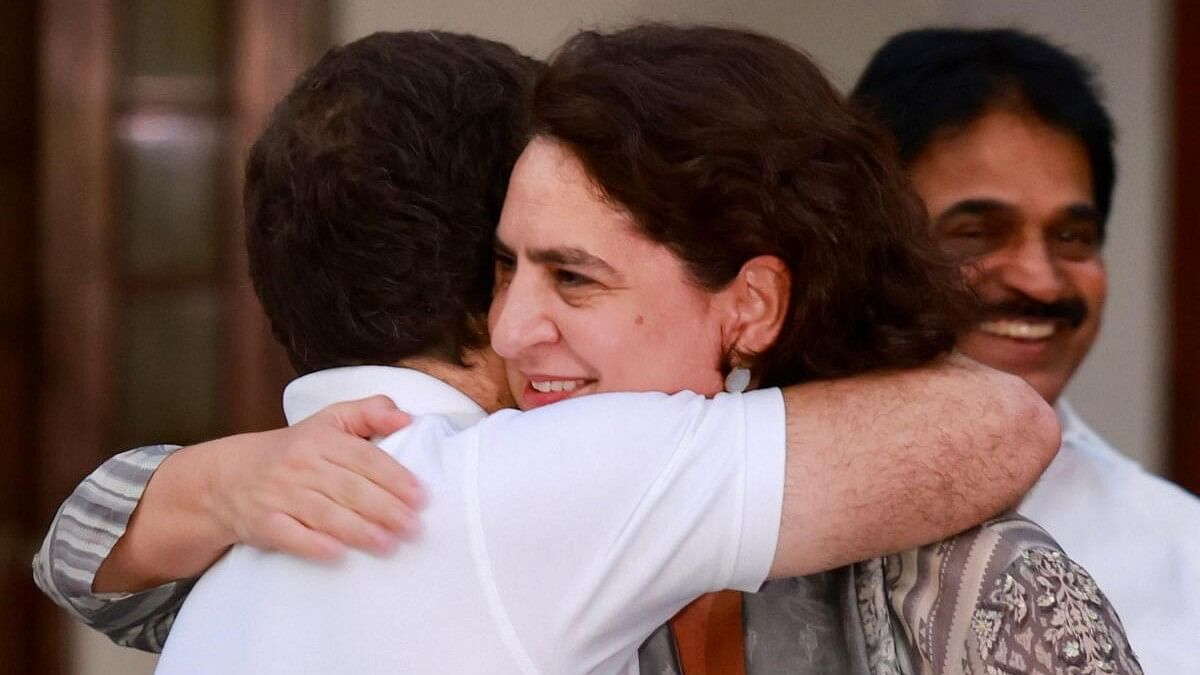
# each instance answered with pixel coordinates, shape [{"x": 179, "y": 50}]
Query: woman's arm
[
  {"x": 309, "y": 489},
  {"x": 83, "y": 533},
  {"x": 124, "y": 547}
]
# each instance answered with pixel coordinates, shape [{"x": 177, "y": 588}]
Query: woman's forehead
[{"x": 552, "y": 203}]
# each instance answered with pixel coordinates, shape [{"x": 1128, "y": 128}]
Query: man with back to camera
[
  {"x": 1010, "y": 147},
  {"x": 473, "y": 226}
]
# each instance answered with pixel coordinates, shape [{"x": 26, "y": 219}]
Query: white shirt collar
[
  {"x": 1074, "y": 431},
  {"x": 413, "y": 392}
]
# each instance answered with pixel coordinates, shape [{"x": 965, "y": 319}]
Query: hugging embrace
[{"x": 669, "y": 321}]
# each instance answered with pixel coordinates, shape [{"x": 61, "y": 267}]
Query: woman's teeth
[
  {"x": 1025, "y": 330},
  {"x": 548, "y": 386}
]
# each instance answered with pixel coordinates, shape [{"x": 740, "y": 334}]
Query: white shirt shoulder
[{"x": 665, "y": 497}]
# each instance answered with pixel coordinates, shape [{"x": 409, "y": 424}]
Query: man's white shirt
[
  {"x": 555, "y": 541},
  {"x": 1138, "y": 536}
]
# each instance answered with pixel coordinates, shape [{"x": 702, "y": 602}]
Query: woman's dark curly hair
[{"x": 724, "y": 145}]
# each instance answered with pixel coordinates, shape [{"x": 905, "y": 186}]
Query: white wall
[
  {"x": 839, "y": 34},
  {"x": 92, "y": 654},
  {"x": 1120, "y": 388}
]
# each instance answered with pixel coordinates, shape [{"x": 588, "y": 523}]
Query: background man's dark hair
[
  {"x": 372, "y": 197},
  {"x": 925, "y": 82},
  {"x": 725, "y": 145}
]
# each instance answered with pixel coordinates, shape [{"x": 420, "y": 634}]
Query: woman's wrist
[{"x": 175, "y": 532}]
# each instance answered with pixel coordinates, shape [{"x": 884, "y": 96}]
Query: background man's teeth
[
  {"x": 569, "y": 386},
  {"x": 1018, "y": 329}
]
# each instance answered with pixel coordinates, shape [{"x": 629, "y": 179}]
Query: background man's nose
[{"x": 1032, "y": 270}]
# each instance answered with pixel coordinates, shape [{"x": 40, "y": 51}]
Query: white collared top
[
  {"x": 1137, "y": 534},
  {"x": 555, "y": 541}
]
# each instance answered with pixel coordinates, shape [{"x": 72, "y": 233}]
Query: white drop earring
[{"x": 737, "y": 380}]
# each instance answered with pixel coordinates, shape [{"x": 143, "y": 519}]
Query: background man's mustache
[{"x": 1071, "y": 310}]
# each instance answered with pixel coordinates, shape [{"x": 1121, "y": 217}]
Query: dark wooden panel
[
  {"x": 275, "y": 41},
  {"x": 74, "y": 250},
  {"x": 76, "y": 239},
  {"x": 1185, "y": 274},
  {"x": 25, "y": 617}
]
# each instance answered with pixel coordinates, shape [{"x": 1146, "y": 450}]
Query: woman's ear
[{"x": 760, "y": 297}]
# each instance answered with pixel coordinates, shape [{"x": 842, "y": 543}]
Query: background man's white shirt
[
  {"x": 555, "y": 540},
  {"x": 1138, "y": 535}
]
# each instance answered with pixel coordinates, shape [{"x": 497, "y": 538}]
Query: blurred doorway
[{"x": 126, "y": 316}]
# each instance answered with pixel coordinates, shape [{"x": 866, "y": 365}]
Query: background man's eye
[
  {"x": 1076, "y": 236},
  {"x": 967, "y": 242},
  {"x": 1075, "y": 243}
]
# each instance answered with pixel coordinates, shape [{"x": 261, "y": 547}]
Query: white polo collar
[
  {"x": 1074, "y": 431},
  {"x": 414, "y": 392}
]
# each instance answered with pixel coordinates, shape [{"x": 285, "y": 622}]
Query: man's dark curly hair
[
  {"x": 724, "y": 145},
  {"x": 927, "y": 82},
  {"x": 372, "y": 197}
]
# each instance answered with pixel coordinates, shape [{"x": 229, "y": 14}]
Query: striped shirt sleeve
[{"x": 83, "y": 533}]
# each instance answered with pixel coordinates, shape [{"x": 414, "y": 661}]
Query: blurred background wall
[{"x": 143, "y": 327}]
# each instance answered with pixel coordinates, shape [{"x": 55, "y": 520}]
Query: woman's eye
[
  {"x": 505, "y": 267},
  {"x": 570, "y": 279}
]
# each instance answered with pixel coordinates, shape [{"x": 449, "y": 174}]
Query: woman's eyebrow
[
  {"x": 575, "y": 257},
  {"x": 501, "y": 248}
]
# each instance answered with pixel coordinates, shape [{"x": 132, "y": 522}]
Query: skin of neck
[{"x": 482, "y": 378}]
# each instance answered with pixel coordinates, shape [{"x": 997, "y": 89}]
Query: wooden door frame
[
  {"x": 275, "y": 41},
  {"x": 74, "y": 240},
  {"x": 1185, "y": 253},
  {"x": 24, "y": 616}
]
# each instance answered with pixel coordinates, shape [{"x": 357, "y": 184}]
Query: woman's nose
[{"x": 520, "y": 317}]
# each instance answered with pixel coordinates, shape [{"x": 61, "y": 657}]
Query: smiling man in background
[{"x": 1010, "y": 147}]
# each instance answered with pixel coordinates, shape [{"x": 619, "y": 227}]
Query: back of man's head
[
  {"x": 924, "y": 83},
  {"x": 372, "y": 197}
]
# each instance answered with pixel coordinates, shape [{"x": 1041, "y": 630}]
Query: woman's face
[{"x": 584, "y": 303}]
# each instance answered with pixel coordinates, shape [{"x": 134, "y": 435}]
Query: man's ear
[{"x": 759, "y": 302}]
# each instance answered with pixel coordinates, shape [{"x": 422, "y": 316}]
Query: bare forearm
[
  {"x": 172, "y": 534},
  {"x": 886, "y": 462}
]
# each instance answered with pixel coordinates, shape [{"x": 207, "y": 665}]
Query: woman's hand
[
  {"x": 318, "y": 486},
  {"x": 311, "y": 490}
]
